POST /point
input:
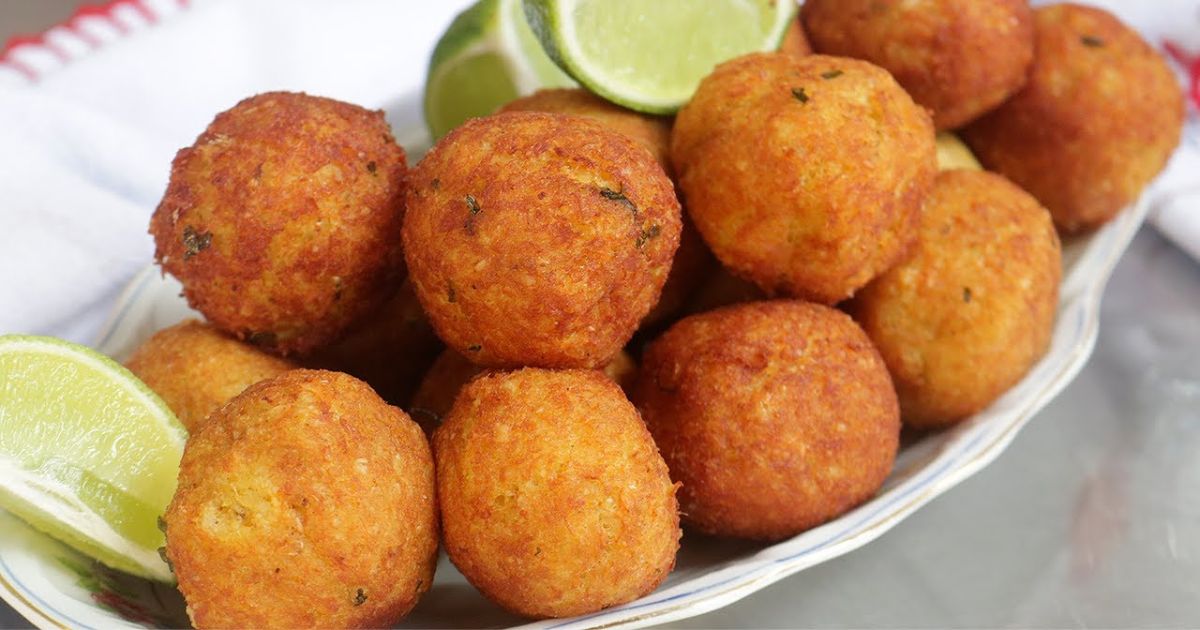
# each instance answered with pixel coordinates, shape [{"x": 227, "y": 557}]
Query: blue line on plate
[{"x": 45, "y": 606}]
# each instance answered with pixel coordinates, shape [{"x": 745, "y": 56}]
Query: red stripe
[
  {"x": 38, "y": 41},
  {"x": 105, "y": 11},
  {"x": 1191, "y": 65}
]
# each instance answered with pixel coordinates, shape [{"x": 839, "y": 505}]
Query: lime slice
[
  {"x": 88, "y": 454},
  {"x": 651, "y": 55},
  {"x": 486, "y": 58}
]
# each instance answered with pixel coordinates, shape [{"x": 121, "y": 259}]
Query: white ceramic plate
[{"x": 55, "y": 587}]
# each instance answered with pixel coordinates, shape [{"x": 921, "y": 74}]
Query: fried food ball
[
  {"x": 795, "y": 42},
  {"x": 775, "y": 416},
  {"x": 1098, "y": 119},
  {"x": 451, "y": 371},
  {"x": 959, "y": 58},
  {"x": 305, "y": 502},
  {"x": 952, "y": 153},
  {"x": 652, "y": 132},
  {"x": 692, "y": 259},
  {"x": 805, "y": 174},
  {"x": 196, "y": 368},
  {"x": 283, "y": 220},
  {"x": 390, "y": 350},
  {"x": 691, "y": 265},
  {"x": 967, "y": 315},
  {"x": 539, "y": 239},
  {"x": 555, "y": 501}
]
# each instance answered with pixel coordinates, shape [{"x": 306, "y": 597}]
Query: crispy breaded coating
[
  {"x": 805, "y": 174},
  {"x": 305, "y": 502},
  {"x": 196, "y": 368},
  {"x": 692, "y": 264},
  {"x": 1099, "y": 118},
  {"x": 283, "y": 220},
  {"x": 390, "y": 349},
  {"x": 539, "y": 239},
  {"x": 959, "y": 58},
  {"x": 970, "y": 312},
  {"x": 652, "y": 132},
  {"x": 451, "y": 371},
  {"x": 775, "y": 416},
  {"x": 555, "y": 501},
  {"x": 692, "y": 260},
  {"x": 795, "y": 42}
]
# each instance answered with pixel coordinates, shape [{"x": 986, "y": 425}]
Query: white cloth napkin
[{"x": 87, "y": 143}]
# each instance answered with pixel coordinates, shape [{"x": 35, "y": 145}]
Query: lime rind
[
  {"x": 487, "y": 57},
  {"x": 552, "y": 21},
  {"x": 34, "y": 490},
  {"x": 53, "y": 509}
]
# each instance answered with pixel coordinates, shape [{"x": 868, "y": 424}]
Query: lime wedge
[
  {"x": 88, "y": 454},
  {"x": 486, "y": 58},
  {"x": 651, "y": 55},
  {"x": 953, "y": 153}
]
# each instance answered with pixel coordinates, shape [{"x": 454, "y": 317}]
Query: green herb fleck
[
  {"x": 966, "y": 294},
  {"x": 474, "y": 209},
  {"x": 1091, "y": 41},
  {"x": 647, "y": 234},
  {"x": 451, "y": 295},
  {"x": 428, "y": 413},
  {"x": 618, "y": 196},
  {"x": 195, "y": 242},
  {"x": 435, "y": 184},
  {"x": 263, "y": 338},
  {"x": 832, "y": 74},
  {"x": 162, "y": 553},
  {"x": 474, "y": 348},
  {"x": 371, "y": 168},
  {"x": 800, "y": 94},
  {"x": 360, "y": 598}
]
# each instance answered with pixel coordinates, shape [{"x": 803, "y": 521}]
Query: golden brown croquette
[
  {"x": 795, "y": 42},
  {"x": 805, "y": 174},
  {"x": 451, "y": 371},
  {"x": 959, "y": 58},
  {"x": 967, "y": 315},
  {"x": 1098, "y": 119},
  {"x": 196, "y": 368},
  {"x": 283, "y": 220},
  {"x": 775, "y": 416},
  {"x": 539, "y": 239},
  {"x": 555, "y": 501},
  {"x": 692, "y": 260},
  {"x": 652, "y": 132},
  {"x": 305, "y": 502}
]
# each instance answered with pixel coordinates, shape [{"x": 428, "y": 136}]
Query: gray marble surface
[{"x": 1090, "y": 518}]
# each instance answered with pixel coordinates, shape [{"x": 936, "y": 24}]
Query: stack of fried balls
[{"x": 571, "y": 326}]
